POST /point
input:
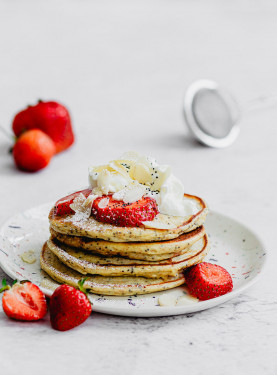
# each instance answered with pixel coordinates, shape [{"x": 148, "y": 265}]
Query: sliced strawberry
[
  {"x": 69, "y": 307},
  {"x": 62, "y": 206},
  {"x": 23, "y": 301},
  {"x": 206, "y": 281},
  {"x": 124, "y": 214}
]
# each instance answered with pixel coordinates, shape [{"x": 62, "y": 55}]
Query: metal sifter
[{"x": 212, "y": 114}]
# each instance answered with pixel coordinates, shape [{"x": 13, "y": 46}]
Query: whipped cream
[{"x": 133, "y": 176}]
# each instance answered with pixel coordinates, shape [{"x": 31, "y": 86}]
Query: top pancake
[{"x": 75, "y": 226}]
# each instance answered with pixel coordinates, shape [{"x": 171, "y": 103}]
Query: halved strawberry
[
  {"x": 124, "y": 214},
  {"x": 23, "y": 301},
  {"x": 62, "y": 206},
  {"x": 207, "y": 280}
]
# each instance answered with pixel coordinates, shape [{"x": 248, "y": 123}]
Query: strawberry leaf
[
  {"x": 4, "y": 286},
  {"x": 81, "y": 285}
]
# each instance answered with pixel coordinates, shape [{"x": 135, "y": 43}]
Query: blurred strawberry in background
[
  {"x": 33, "y": 150},
  {"x": 50, "y": 117}
]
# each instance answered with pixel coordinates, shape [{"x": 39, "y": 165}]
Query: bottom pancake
[{"x": 113, "y": 286}]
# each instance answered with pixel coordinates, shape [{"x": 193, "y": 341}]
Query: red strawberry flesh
[
  {"x": 24, "y": 302},
  {"x": 62, "y": 206},
  {"x": 206, "y": 281},
  {"x": 114, "y": 212},
  {"x": 124, "y": 214}
]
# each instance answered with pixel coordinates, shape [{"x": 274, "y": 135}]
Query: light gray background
[{"x": 122, "y": 68}]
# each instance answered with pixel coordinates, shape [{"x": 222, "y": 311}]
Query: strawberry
[
  {"x": 62, "y": 206},
  {"x": 69, "y": 307},
  {"x": 124, "y": 214},
  {"x": 206, "y": 281},
  {"x": 33, "y": 150},
  {"x": 50, "y": 117},
  {"x": 23, "y": 301}
]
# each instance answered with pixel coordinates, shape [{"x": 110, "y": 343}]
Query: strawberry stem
[
  {"x": 81, "y": 285},
  {"x": 5, "y": 286},
  {"x": 9, "y": 135}
]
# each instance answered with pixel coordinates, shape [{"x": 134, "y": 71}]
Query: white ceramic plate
[{"x": 233, "y": 246}]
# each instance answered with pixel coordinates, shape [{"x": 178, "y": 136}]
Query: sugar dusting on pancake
[
  {"x": 88, "y": 263},
  {"x": 152, "y": 251},
  {"x": 115, "y": 286}
]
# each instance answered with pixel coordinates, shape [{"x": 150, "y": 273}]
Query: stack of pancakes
[{"x": 125, "y": 260}]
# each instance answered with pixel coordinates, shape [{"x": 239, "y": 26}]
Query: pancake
[
  {"x": 75, "y": 225},
  {"x": 88, "y": 263},
  {"x": 152, "y": 251},
  {"x": 113, "y": 286}
]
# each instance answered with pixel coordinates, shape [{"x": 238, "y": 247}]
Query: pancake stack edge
[{"x": 78, "y": 249}]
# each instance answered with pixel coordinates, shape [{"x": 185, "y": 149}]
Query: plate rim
[{"x": 161, "y": 310}]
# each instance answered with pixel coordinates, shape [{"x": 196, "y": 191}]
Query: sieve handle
[{"x": 260, "y": 102}]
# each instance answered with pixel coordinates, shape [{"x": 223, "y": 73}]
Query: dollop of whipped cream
[{"x": 133, "y": 176}]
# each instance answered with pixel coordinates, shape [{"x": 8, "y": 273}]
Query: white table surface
[{"x": 122, "y": 68}]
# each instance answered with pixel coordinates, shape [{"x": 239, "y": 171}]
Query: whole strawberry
[
  {"x": 23, "y": 301},
  {"x": 69, "y": 307},
  {"x": 33, "y": 150},
  {"x": 207, "y": 280},
  {"x": 50, "y": 117}
]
